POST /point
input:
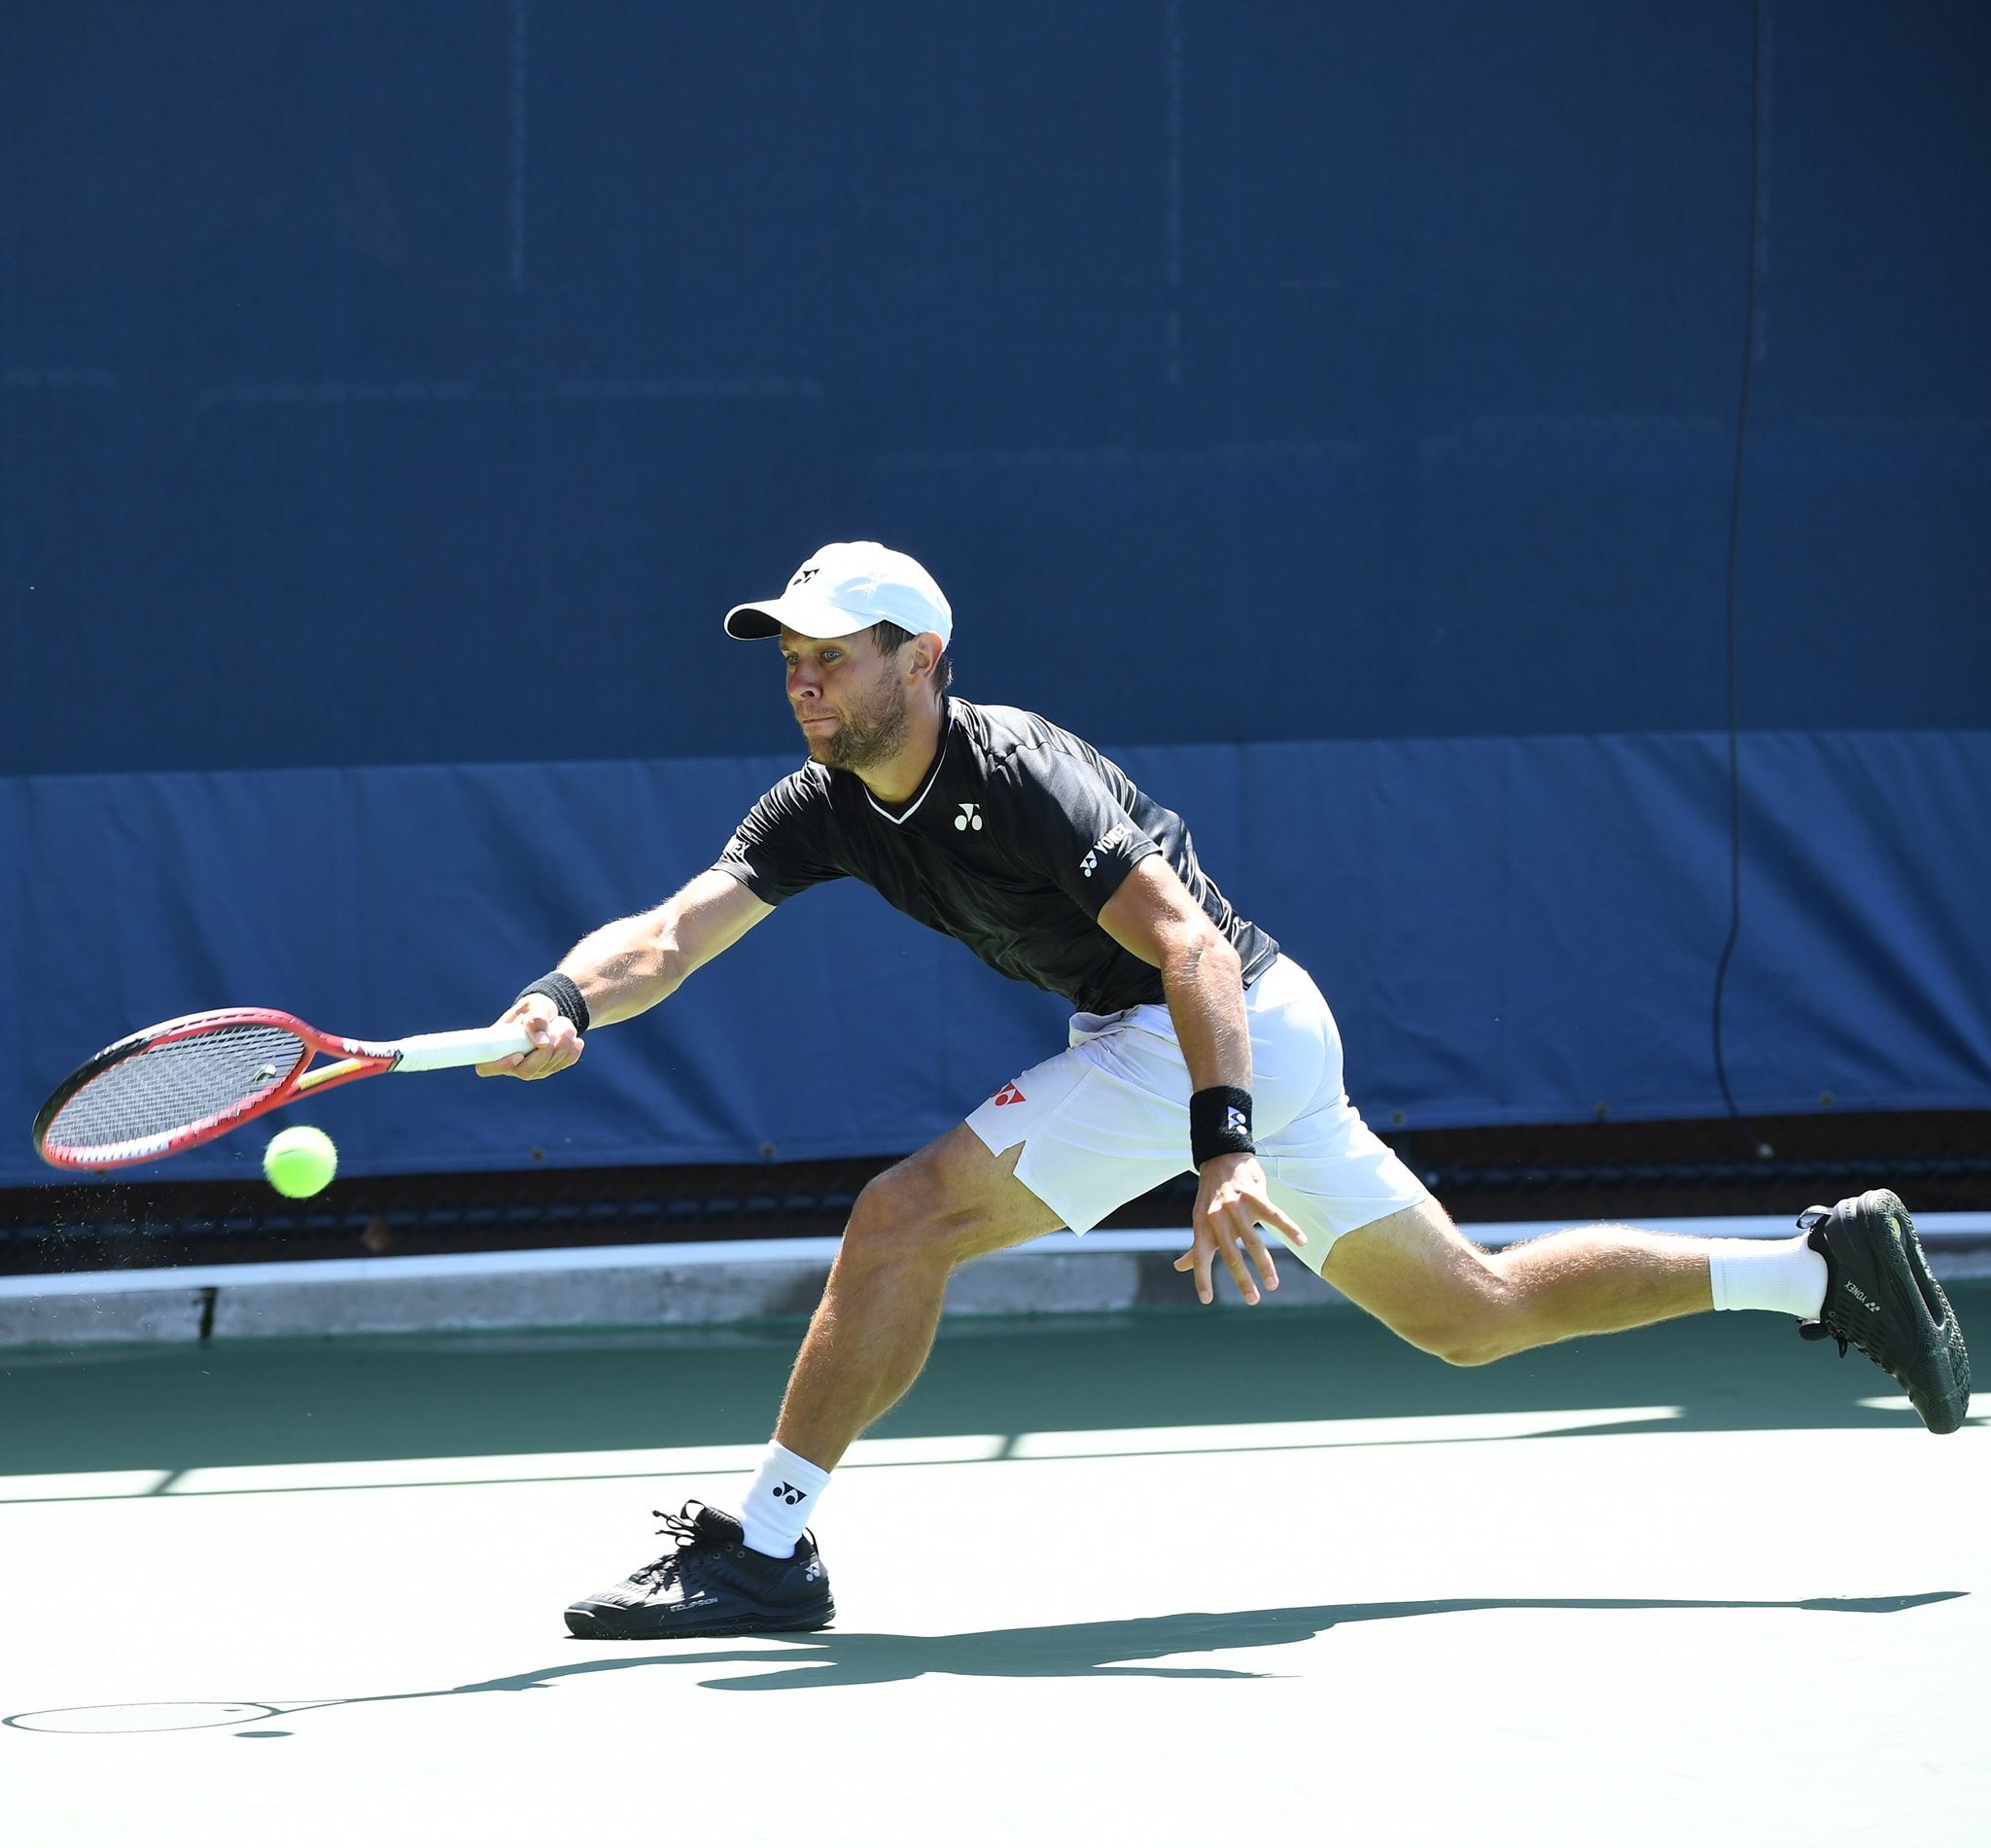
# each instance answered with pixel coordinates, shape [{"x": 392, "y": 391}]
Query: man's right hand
[{"x": 555, "y": 1043}]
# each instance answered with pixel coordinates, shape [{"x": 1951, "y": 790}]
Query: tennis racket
[{"x": 186, "y": 1081}]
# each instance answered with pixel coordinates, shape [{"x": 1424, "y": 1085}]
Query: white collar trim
[{"x": 926, "y": 788}]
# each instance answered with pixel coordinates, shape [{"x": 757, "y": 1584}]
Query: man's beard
[{"x": 864, "y": 739}]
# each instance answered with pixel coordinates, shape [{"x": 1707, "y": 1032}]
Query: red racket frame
[{"x": 356, "y": 1058}]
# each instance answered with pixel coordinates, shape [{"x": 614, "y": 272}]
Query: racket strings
[{"x": 161, "y": 1090}]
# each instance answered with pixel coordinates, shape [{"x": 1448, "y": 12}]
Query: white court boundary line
[
  {"x": 707, "y": 1459},
  {"x": 1936, "y": 1230}
]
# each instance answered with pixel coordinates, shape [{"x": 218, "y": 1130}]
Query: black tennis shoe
[
  {"x": 712, "y": 1584},
  {"x": 1881, "y": 1297}
]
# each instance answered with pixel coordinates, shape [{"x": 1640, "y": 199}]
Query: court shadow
[
  {"x": 1130, "y": 1646},
  {"x": 858, "y": 1659}
]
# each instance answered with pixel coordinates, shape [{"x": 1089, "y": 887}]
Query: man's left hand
[{"x": 1231, "y": 1205}]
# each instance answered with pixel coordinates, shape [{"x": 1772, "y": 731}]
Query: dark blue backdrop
[{"x": 388, "y": 386}]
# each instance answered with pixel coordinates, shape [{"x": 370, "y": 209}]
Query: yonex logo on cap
[{"x": 845, "y": 586}]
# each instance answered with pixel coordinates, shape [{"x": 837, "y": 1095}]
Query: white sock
[
  {"x": 781, "y": 1500},
  {"x": 1767, "y": 1274}
]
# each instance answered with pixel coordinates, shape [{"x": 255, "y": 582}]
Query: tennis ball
[{"x": 299, "y": 1162}]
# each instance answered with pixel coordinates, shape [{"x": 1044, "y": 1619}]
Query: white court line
[
  {"x": 436, "y": 1472},
  {"x": 703, "y": 1459},
  {"x": 1326, "y": 1434},
  {"x": 84, "y": 1485},
  {"x": 1901, "y": 1402},
  {"x": 1935, "y": 1229},
  {"x": 454, "y": 1264},
  {"x": 695, "y": 1459}
]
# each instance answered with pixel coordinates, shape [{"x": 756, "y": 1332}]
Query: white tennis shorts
[{"x": 1109, "y": 1117}]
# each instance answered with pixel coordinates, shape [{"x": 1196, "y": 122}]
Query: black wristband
[
  {"x": 1220, "y": 1123},
  {"x": 563, "y": 992}
]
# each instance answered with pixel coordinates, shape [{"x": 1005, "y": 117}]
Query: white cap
[{"x": 846, "y": 587}]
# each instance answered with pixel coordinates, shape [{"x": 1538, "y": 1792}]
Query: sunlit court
[
  {"x": 311, "y": 1588},
  {"x": 1002, "y": 924}
]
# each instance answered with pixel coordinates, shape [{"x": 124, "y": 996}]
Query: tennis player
[{"x": 1194, "y": 1043}]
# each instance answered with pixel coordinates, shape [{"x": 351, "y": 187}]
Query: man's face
[{"x": 849, "y": 699}]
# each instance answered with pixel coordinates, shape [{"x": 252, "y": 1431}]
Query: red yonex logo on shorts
[{"x": 1009, "y": 1093}]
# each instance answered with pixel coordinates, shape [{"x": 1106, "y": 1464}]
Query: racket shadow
[
  {"x": 1136, "y": 1646},
  {"x": 857, "y": 1659}
]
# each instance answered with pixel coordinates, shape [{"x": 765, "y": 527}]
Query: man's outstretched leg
[
  {"x": 1855, "y": 1273},
  {"x": 875, "y": 1326},
  {"x": 869, "y": 1338}
]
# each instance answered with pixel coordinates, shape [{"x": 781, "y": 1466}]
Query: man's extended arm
[
  {"x": 632, "y": 964},
  {"x": 1153, "y": 915}
]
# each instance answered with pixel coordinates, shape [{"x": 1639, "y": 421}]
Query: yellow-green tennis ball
[{"x": 299, "y": 1162}]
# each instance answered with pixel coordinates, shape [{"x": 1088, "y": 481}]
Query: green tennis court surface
[{"x": 1160, "y": 1578}]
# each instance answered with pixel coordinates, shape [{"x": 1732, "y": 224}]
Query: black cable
[{"x": 1735, "y": 544}]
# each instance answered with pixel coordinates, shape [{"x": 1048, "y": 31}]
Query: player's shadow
[{"x": 856, "y": 1658}]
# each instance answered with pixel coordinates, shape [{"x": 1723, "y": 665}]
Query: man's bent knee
[
  {"x": 1476, "y": 1325},
  {"x": 1464, "y": 1330},
  {"x": 1416, "y": 1272},
  {"x": 947, "y": 1203},
  {"x": 896, "y": 1219},
  {"x": 1465, "y": 1345}
]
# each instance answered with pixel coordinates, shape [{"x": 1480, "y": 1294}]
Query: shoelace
[
  {"x": 1818, "y": 1332},
  {"x": 683, "y": 1529},
  {"x": 1824, "y": 1331}
]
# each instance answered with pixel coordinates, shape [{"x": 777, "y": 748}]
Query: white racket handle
[{"x": 436, "y": 1052}]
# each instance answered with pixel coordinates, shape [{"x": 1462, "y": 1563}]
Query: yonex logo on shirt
[
  {"x": 1009, "y": 1093},
  {"x": 1113, "y": 836},
  {"x": 1046, "y": 802}
]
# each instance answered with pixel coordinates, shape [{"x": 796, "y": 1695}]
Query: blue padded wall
[
  {"x": 1509, "y": 929},
  {"x": 1334, "y": 408},
  {"x": 361, "y": 360}
]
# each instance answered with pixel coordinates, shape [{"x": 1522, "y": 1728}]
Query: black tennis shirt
[{"x": 1013, "y": 844}]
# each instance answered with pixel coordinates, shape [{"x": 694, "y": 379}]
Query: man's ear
[{"x": 926, "y": 650}]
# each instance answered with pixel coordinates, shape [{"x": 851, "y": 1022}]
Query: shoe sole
[
  {"x": 1943, "y": 1363},
  {"x": 581, "y": 1622}
]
